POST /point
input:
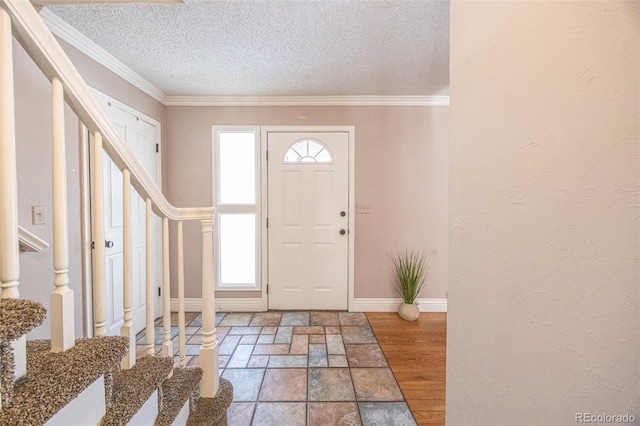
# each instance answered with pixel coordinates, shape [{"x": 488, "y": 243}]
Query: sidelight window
[{"x": 236, "y": 199}]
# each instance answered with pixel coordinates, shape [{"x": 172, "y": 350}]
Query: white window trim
[{"x": 237, "y": 208}]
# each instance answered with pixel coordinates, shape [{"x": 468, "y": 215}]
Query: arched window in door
[{"x": 308, "y": 151}]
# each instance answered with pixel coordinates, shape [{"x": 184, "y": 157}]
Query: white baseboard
[
  {"x": 391, "y": 305},
  {"x": 231, "y": 304},
  {"x": 235, "y": 304},
  {"x": 190, "y": 305}
]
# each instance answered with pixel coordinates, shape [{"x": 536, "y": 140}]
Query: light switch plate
[{"x": 38, "y": 215}]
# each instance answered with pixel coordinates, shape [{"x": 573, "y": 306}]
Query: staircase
[{"x": 97, "y": 379}]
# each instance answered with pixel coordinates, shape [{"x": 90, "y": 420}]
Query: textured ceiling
[{"x": 261, "y": 48}]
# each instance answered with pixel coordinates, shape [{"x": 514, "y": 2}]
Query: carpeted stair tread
[
  {"x": 54, "y": 379},
  {"x": 213, "y": 411},
  {"x": 176, "y": 391},
  {"x": 133, "y": 387},
  {"x": 18, "y": 317}
]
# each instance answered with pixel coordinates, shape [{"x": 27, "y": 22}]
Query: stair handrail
[
  {"x": 36, "y": 38},
  {"x": 40, "y": 44}
]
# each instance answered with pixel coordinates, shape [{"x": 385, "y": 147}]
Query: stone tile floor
[{"x": 299, "y": 368}]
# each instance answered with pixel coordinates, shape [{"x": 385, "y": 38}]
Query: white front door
[
  {"x": 141, "y": 137},
  {"x": 308, "y": 214}
]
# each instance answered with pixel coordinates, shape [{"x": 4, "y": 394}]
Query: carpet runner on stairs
[
  {"x": 213, "y": 411},
  {"x": 182, "y": 386},
  {"x": 131, "y": 388},
  {"x": 54, "y": 379},
  {"x": 17, "y": 318}
]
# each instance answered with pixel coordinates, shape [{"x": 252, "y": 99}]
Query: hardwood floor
[{"x": 416, "y": 352}]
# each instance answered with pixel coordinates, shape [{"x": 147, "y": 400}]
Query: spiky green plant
[{"x": 410, "y": 269}]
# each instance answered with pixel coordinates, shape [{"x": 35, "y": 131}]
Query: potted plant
[{"x": 410, "y": 270}]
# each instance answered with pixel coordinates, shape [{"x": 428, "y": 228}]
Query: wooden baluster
[
  {"x": 9, "y": 260},
  {"x": 149, "y": 281},
  {"x": 61, "y": 300},
  {"x": 127, "y": 273},
  {"x": 9, "y": 251},
  {"x": 209, "y": 349},
  {"x": 167, "y": 344},
  {"x": 181, "y": 321},
  {"x": 97, "y": 225}
]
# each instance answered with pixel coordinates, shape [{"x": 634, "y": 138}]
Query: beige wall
[
  {"x": 107, "y": 82},
  {"x": 33, "y": 150},
  {"x": 544, "y": 294},
  {"x": 100, "y": 78},
  {"x": 33, "y": 134},
  {"x": 401, "y": 170}
]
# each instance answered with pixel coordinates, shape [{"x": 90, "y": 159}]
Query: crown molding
[
  {"x": 75, "y": 38},
  {"x": 307, "y": 101}
]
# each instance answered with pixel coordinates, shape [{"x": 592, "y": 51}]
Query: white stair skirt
[
  {"x": 183, "y": 415},
  {"x": 147, "y": 414},
  {"x": 86, "y": 409}
]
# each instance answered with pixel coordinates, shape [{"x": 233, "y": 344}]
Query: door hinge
[
  {"x": 159, "y": 291},
  {"x": 267, "y": 222},
  {"x": 267, "y": 152},
  {"x": 93, "y": 245},
  {"x": 157, "y": 147},
  {"x": 267, "y": 288}
]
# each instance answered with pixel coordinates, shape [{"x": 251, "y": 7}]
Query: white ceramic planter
[{"x": 409, "y": 312}]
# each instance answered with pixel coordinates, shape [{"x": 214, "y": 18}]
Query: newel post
[{"x": 209, "y": 350}]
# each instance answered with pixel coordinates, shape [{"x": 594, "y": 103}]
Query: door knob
[
  {"x": 342, "y": 232},
  {"x": 108, "y": 244},
  {"x": 343, "y": 213}
]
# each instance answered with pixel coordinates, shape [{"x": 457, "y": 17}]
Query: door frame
[
  {"x": 264, "y": 249},
  {"x": 85, "y": 215}
]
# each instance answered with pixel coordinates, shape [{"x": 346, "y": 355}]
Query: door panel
[
  {"x": 112, "y": 199},
  {"x": 323, "y": 194},
  {"x": 141, "y": 137},
  {"x": 308, "y": 257},
  {"x": 292, "y": 194}
]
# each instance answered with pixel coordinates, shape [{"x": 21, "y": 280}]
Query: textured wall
[
  {"x": 401, "y": 170},
  {"x": 544, "y": 289}
]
